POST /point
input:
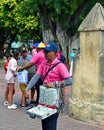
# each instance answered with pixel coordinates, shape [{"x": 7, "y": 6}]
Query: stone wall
[{"x": 87, "y": 103}]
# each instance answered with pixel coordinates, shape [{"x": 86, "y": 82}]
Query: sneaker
[
  {"x": 12, "y": 106},
  {"x": 5, "y": 103}
]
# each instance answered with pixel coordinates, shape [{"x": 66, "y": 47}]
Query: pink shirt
[
  {"x": 34, "y": 52},
  {"x": 38, "y": 58},
  {"x": 58, "y": 73},
  {"x": 58, "y": 54}
]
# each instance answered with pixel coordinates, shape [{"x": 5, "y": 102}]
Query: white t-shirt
[{"x": 11, "y": 70}]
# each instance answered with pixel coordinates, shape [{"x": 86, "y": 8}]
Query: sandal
[{"x": 22, "y": 105}]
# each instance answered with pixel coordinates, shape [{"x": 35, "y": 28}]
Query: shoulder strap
[{"x": 51, "y": 69}]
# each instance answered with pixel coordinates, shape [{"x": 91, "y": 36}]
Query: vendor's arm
[
  {"x": 33, "y": 81},
  {"x": 65, "y": 82},
  {"x": 68, "y": 81},
  {"x": 29, "y": 64}
]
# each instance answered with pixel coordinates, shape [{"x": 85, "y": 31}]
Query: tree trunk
[
  {"x": 54, "y": 32},
  {"x": 65, "y": 42},
  {"x": 47, "y": 35},
  {"x": 1, "y": 50}
]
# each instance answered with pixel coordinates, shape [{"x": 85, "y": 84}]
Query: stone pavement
[{"x": 19, "y": 120}]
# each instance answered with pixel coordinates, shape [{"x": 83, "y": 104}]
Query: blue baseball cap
[
  {"x": 36, "y": 44},
  {"x": 51, "y": 46}
]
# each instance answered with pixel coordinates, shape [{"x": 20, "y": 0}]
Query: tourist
[
  {"x": 36, "y": 60},
  {"x": 10, "y": 78},
  {"x": 24, "y": 59},
  {"x": 5, "y": 70}
]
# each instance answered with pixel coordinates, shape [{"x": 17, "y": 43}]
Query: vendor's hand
[
  {"x": 19, "y": 68},
  {"x": 48, "y": 85},
  {"x": 15, "y": 74}
]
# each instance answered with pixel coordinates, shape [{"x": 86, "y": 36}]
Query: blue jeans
[{"x": 50, "y": 123}]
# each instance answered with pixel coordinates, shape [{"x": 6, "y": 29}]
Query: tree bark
[
  {"x": 54, "y": 32},
  {"x": 65, "y": 42}
]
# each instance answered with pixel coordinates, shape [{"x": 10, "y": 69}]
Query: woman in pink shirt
[
  {"x": 58, "y": 73},
  {"x": 38, "y": 58},
  {"x": 37, "y": 61},
  {"x": 34, "y": 51}
]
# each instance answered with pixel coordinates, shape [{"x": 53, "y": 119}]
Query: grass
[{"x": 2, "y": 63}]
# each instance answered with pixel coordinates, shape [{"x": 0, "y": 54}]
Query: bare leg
[
  {"x": 23, "y": 98},
  {"x": 33, "y": 92},
  {"x": 6, "y": 94},
  {"x": 10, "y": 93}
]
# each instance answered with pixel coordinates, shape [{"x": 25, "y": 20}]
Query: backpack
[{"x": 62, "y": 58}]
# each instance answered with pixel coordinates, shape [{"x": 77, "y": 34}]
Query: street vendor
[{"x": 58, "y": 73}]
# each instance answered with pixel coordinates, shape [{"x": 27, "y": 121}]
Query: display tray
[{"x": 41, "y": 112}]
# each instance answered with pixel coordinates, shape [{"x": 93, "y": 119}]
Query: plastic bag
[{"x": 22, "y": 77}]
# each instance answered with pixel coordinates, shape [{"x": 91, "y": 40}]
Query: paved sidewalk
[{"x": 19, "y": 120}]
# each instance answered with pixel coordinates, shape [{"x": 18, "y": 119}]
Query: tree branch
[{"x": 75, "y": 17}]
